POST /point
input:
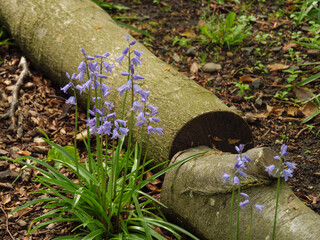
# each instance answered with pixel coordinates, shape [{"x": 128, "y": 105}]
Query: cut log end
[{"x": 222, "y": 130}]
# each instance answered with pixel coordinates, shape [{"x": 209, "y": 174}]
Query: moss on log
[
  {"x": 198, "y": 200},
  {"x": 52, "y": 32}
]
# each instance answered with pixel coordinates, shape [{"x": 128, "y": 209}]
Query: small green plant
[
  {"x": 261, "y": 67},
  {"x": 4, "y": 39},
  {"x": 293, "y": 74},
  {"x": 243, "y": 88},
  {"x": 247, "y": 98},
  {"x": 294, "y": 56},
  {"x": 282, "y": 95},
  {"x": 183, "y": 42},
  {"x": 263, "y": 38},
  {"x": 284, "y": 138},
  {"x": 203, "y": 57},
  {"x": 304, "y": 10},
  {"x": 106, "y": 202},
  {"x": 109, "y": 6},
  {"x": 224, "y": 32},
  {"x": 260, "y": 52}
]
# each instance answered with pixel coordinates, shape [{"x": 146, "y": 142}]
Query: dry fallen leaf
[
  {"x": 166, "y": 69},
  {"x": 194, "y": 67},
  {"x": 25, "y": 153},
  {"x": 275, "y": 110},
  {"x": 292, "y": 111},
  {"x": 247, "y": 78},
  {"x": 277, "y": 66},
  {"x": 289, "y": 45},
  {"x": 302, "y": 93},
  {"x": 189, "y": 34},
  {"x": 6, "y": 199},
  {"x": 309, "y": 109}
]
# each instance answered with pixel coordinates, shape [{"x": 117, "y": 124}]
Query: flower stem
[
  {"x": 250, "y": 227},
  {"x": 238, "y": 211},
  {"x": 231, "y": 213},
  {"x": 277, "y": 200}
]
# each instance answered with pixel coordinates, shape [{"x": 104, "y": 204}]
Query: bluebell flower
[
  {"x": 125, "y": 87},
  {"x": 105, "y": 90},
  {"x": 105, "y": 128},
  {"x": 241, "y": 173},
  {"x": 259, "y": 207},
  {"x": 66, "y": 87},
  {"x": 137, "y": 77},
  {"x": 154, "y": 110},
  {"x": 120, "y": 59},
  {"x": 155, "y": 130},
  {"x": 291, "y": 165},
  {"x": 286, "y": 173},
  {"x": 80, "y": 76},
  {"x": 244, "y": 203},
  {"x": 236, "y": 180},
  {"x": 81, "y": 88},
  {"x": 277, "y": 158},
  {"x": 112, "y": 115},
  {"x": 244, "y": 194},
  {"x": 115, "y": 134},
  {"x": 108, "y": 67},
  {"x": 133, "y": 42},
  {"x": 136, "y": 61},
  {"x": 83, "y": 51},
  {"x": 123, "y": 131},
  {"x": 136, "y": 106},
  {"x": 245, "y": 157},
  {"x": 137, "y": 53},
  {"x": 269, "y": 169},
  {"x": 82, "y": 67},
  {"x": 154, "y": 119},
  {"x": 71, "y": 100},
  {"x": 108, "y": 105},
  {"x": 125, "y": 51},
  {"x": 89, "y": 58},
  {"x": 124, "y": 73},
  {"x": 225, "y": 177},
  {"x": 240, "y": 148},
  {"x": 119, "y": 121},
  {"x": 284, "y": 150}
]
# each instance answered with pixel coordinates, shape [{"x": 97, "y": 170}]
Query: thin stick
[
  {"x": 7, "y": 222},
  {"x": 15, "y": 92}
]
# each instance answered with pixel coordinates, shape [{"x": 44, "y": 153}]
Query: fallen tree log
[
  {"x": 52, "y": 32},
  {"x": 197, "y": 198}
]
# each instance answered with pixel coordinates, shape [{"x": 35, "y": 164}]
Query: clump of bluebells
[
  {"x": 285, "y": 170},
  {"x": 106, "y": 202},
  {"x": 240, "y": 168}
]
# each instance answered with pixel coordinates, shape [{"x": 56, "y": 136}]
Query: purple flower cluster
[
  {"x": 240, "y": 167},
  {"x": 288, "y": 166},
  {"x": 102, "y": 120},
  {"x": 146, "y": 114}
]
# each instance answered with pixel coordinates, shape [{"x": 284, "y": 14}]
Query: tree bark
[
  {"x": 197, "y": 199},
  {"x": 52, "y": 32}
]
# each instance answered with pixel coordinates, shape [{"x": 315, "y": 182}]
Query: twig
[
  {"x": 7, "y": 222},
  {"x": 15, "y": 92}
]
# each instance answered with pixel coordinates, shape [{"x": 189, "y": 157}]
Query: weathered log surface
[
  {"x": 197, "y": 198},
  {"x": 52, "y": 32}
]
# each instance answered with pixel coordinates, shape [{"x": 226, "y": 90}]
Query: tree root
[{"x": 15, "y": 92}]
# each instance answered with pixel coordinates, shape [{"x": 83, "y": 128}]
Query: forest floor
[{"x": 270, "y": 101}]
